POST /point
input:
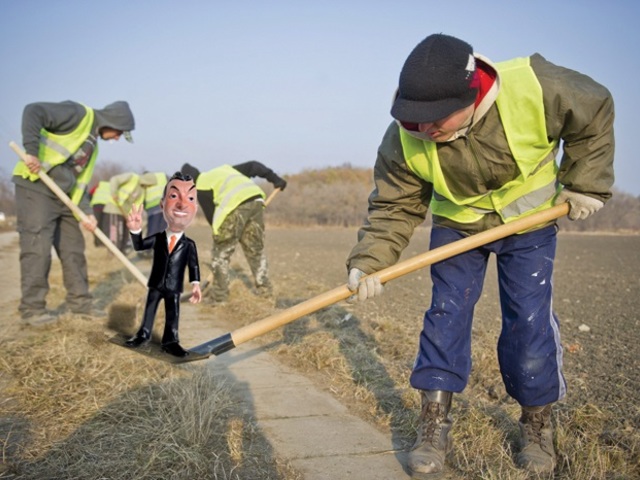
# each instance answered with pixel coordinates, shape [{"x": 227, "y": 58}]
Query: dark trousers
[
  {"x": 529, "y": 349},
  {"x": 172, "y": 314},
  {"x": 155, "y": 221},
  {"x": 44, "y": 222}
]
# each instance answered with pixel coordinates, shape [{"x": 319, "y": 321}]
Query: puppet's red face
[{"x": 179, "y": 204}]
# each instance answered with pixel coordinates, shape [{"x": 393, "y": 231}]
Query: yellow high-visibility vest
[
  {"x": 230, "y": 188},
  {"x": 102, "y": 194},
  {"x": 153, "y": 193},
  {"x": 56, "y": 149},
  {"x": 127, "y": 193},
  {"x": 521, "y": 110}
]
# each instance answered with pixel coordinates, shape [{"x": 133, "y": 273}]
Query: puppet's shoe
[
  {"x": 174, "y": 349},
  {"x": 135, "y": 342}
]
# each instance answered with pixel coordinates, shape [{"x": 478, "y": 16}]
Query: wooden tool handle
[
  {"x": 410, "y": 265},
  {"x": 271, "y": 195},
  {"x": 64, "y": 198}
]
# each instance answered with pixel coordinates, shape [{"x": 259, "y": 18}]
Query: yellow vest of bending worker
[
  {"x": 230, "y": 188},
  {"x": 56, "y": 149},
  {"x": 153, "y": 193},
  {"x": 126, "y": 191},
  {"x": 102, "y": 194},
  {"x": 521, "y": 111}
]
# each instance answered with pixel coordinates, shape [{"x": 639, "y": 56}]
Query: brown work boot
[
  {"x": 426, "y": 458},
  {"x": 537, "y": 453}
]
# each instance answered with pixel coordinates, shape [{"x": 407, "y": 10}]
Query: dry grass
[
  {"x": 74, "y": 406},
  {"x": 73, "y": 410},
  {"x": 370, "y": 376},
  {"x": 87, "y": 413}
]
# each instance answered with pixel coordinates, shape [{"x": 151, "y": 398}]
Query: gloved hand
[
  {"x": 581, "y": 206},
  {"x": 280, "y": 183},
  {"x": 369, "y": 288}
]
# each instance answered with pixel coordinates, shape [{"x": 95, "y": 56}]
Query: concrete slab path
[{"x": 304, "y": 424}]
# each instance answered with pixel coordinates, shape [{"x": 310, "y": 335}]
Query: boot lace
[
  {"x": 433, "y": 415},
  {"x": 534, "y": 424}
]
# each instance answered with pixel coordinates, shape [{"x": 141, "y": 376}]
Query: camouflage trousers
[{"x": 245, "y": 225}]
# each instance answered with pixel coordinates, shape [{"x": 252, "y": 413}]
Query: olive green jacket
[{"x": 578, "y": 110}]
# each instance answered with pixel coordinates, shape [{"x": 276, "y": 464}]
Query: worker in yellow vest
[
  {"x": 234, "y": 207},
  {"x": 62, "y": 139},
  {"x": 130, "y": 188},
  {"x": 477, "y": 143}
]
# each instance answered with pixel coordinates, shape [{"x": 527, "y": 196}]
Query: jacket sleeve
[
  {"x": 206, "y": 201},
  {"x": 140, "y": 243},
  {"x": 194, "y": 266},
  {"x": 60, "y": 118},
  {"x": 85, "y": 203},
  {"x": 580, "y": 112},
  {"x": 254, "y": 168},
  {"x": 397, "y": 205}
]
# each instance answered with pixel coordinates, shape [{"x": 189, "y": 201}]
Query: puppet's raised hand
[{"x": 134, "y": 219}]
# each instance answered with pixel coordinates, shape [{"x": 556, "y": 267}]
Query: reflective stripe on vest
[
  {"x": 521, "y": 109},
  {"x": 230, "y": 188},
  {"x": 56, "y": 149}
]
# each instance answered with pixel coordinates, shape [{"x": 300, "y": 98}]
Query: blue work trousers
[{"x": 529, "y": 349}]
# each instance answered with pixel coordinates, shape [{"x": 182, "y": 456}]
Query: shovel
[
  {"x": 46, "y": 179},
  {"x": 248, "y": 332}
]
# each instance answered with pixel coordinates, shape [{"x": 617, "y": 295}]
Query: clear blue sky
[{"x": 294, "y": 84}]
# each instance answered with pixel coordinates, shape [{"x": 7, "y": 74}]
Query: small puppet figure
[{"x": 173, "y": 252}]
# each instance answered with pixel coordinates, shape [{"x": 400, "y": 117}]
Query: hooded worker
[{"x": 62, "y": 139}]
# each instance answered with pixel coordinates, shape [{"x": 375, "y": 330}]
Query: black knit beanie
[{"x": 436, "y": 80}]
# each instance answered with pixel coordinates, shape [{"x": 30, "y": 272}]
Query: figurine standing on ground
[{"x": 173, "y": 253}]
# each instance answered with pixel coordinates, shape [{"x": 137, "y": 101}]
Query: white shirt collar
[{"x": 177, "y": 234}]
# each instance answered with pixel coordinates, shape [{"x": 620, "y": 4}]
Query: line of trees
[{"x": 337, "y": 196}]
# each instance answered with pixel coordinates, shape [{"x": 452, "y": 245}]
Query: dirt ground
[
  {"x": 597, "y": 297},
  {"x": 597, "y": 285}
]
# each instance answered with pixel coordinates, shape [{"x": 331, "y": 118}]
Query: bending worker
[
  {"x": 61, "y": 138},
  {"x": 234, "y": 207},
  {"x": 477, "y": 143}
]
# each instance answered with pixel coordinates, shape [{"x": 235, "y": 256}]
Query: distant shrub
[{"x": 330, "y": 197}]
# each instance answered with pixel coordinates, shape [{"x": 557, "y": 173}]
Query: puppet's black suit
[{"x": 165, "y": 283}]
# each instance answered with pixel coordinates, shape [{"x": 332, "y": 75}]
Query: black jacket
[{"x": 167, "y": 272}]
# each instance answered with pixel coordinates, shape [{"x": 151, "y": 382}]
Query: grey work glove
[
  {"x": 368, "y": 288},
  {"x": 581, "y": 206}
]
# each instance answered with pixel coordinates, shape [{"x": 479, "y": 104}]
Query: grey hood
[{"x": 116, "y": 115}]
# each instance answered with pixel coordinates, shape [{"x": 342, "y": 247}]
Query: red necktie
[{"x": 172, "y": 243}]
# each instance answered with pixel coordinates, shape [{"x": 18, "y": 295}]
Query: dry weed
[
  {"x": 365, "y": 362},
  {"x": 93, "y": 414}
]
